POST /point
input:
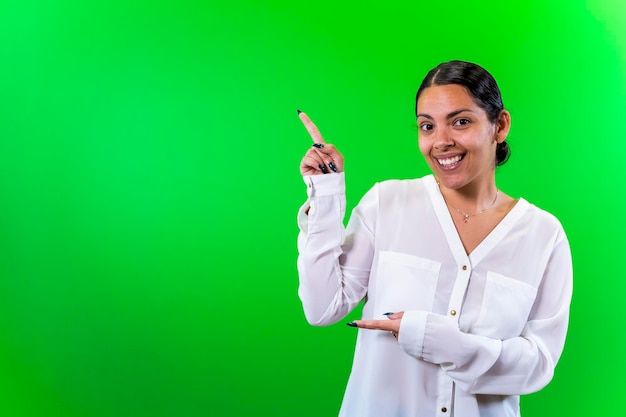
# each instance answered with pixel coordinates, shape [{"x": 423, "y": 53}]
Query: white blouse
[{"x": 478, "y": 329}]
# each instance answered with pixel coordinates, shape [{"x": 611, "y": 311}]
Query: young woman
[{"x": 467, "y": 290}]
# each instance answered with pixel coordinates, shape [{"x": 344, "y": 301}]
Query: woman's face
[{"x": 456, "y": 137}]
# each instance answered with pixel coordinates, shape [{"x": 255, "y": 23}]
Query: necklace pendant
[{"x": 466, "y": 218}]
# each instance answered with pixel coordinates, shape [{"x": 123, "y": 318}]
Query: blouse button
[
  {"x": 453, "y": 312},
  {"x": 444, "y": 409},
  {"x": 464, "y": 267}
]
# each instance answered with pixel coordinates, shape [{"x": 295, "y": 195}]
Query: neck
[{"x": 471, "y": 198}]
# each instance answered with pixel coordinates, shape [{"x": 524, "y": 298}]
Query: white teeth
[{"x": 449, "y": 161}]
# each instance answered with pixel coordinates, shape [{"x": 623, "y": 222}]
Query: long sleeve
[
  {"x": 485, "y": 365},
  {"x": 333, "y": 262}
]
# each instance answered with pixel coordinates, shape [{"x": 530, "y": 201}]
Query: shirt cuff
[
  {"x": 319, "y": 186},
  {"x": 322, "y": 185},
  {"x": 412, "y": 331}
]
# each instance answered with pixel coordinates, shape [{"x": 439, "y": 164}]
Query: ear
[{"x": 503, "y": 125}]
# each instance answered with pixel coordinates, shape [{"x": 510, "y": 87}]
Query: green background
[{"x": 149, "y": 185}]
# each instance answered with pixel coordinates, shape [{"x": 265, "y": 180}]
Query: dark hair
[{"x": 481, "y": 86}]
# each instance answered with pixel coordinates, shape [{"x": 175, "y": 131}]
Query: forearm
[
  {"x": 333, "y": 279},
  {"x": 319, "y": 249},
  {"x": 479, "y": 364}
]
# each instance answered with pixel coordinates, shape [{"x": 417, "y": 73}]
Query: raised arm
[{"x": 333, "y": 262}]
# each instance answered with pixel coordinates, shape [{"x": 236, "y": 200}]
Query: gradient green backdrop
[{"x": 149, "y": 184}]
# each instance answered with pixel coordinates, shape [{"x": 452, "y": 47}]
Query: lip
[{"x": 449, "y": 157}]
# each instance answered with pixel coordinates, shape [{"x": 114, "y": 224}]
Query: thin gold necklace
[{"x": 467, "y": 216}]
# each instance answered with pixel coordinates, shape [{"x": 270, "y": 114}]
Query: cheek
[{"x": 424, "y": 145}]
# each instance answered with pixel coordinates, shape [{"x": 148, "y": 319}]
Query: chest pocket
[
  {"x": 505, "y": 308},
  {"x": 405, "y": 282}
]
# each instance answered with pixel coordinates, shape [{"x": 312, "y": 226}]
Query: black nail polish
[
  {"x": 323, "y": 168},
  {"x": 387, "y": 314},
  {"x": 318, "y": 145},
  {"x": 332, "y": 166},
  {"x": 299, "y": 111},
  {"x": 352, "y": 324}
]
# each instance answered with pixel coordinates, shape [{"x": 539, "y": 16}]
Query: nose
[{"x": 443, "y": 140}]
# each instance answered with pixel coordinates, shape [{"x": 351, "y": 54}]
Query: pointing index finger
[{"x": 311, "y": 128}]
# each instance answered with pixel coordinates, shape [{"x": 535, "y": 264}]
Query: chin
[{"x": 451, "y": 182}]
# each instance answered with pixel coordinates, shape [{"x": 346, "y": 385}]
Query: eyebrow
[{"x": 449, "y": 116}]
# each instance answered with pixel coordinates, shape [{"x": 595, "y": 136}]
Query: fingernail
[
  {"x": 352, "y": 324},
  {"x": 332, "y": 166},
  {"x": 318, "y": 145},
  {"x": 299, "y": 111},
  {"x": 323, "y": 168},
  {"x": 387, "y": 314}
]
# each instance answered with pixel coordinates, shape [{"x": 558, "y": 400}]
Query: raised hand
[{"x": 322, "y": 158}]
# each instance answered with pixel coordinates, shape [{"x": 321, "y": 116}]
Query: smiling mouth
[{"x": 449, "y": 161}]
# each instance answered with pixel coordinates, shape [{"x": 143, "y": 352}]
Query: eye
[
  {"x": 461, "y": 122},
  {"x": 425, "y": 127}
]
